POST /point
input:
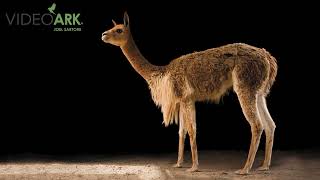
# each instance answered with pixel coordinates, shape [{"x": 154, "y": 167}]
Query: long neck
[{"x": 138, "y": 62}]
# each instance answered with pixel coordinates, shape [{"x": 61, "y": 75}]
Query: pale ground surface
[{"x": 220, "y": 165}]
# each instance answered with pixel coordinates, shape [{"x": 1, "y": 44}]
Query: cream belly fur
[{"x": 207, "y": 75}]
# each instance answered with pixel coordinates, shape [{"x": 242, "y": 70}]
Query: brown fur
[{"x": 207, "y": 75}]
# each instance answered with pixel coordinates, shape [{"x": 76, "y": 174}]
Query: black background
[{"x": 68, "y": 92}]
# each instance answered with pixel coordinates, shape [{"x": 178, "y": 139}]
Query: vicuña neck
[{"x": 138, "y": 62}]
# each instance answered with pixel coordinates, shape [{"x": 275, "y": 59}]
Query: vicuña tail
[{"x": 272, "y": 73}]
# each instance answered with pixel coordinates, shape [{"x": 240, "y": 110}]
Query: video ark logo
[{"x": 69, "y": 21}]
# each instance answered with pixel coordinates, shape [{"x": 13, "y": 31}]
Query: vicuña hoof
[
  {"x": 193, "y": 169},
  {"x": 242, "y": 172},
  {"x": 263, "y": 168},
  {"x": 178, "y": 165}
]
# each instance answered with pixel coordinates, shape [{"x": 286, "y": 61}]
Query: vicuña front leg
[
  {"x": 189, "y": 116},
  {"x": 182, "y": 137},
  {"x": 249, "y": 107}
]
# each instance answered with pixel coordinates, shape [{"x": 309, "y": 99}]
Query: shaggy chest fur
[
  {"x": 169, "y": 90},
  {"x": 163, "y": 95}
]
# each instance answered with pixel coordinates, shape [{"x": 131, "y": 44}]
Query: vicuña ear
[
  {"x": 114, "y": 23},
  {"x": 126, "y": 19}
]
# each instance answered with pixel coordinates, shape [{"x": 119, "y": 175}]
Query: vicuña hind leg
[
  {"x": 269, "y": 131},
  {"x": 182, "y": 137},
  {"x": 189, "y": 115},
  {"x": 248, "y": 102}
]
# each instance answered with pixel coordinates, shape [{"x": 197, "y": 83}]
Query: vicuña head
[{"x": 119, "y": 34}]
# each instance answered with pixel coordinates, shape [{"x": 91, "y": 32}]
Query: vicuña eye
[{"x": 119, "y": 31}]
